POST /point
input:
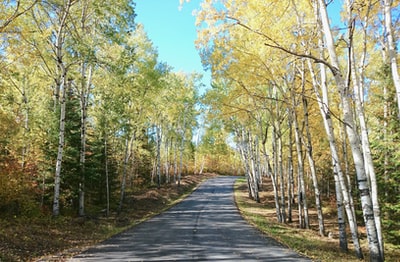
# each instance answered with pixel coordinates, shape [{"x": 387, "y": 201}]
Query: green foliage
[
  {"x": 385, "y": 140},
  {"x": 122, "y": 93}
]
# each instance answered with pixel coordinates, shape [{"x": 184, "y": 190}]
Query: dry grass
[{"x": 307, "y": 242}]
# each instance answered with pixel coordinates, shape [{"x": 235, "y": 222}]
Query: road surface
[{"x": 206, "y": 226}]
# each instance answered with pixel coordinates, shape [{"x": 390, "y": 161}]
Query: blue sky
[{"x": 173, "y": 33}]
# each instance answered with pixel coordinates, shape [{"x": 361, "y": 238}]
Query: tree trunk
[
  {"x": 362, "y": 179},
  {"x": 181, "y": 149},
  {"x": 61, "y": 85},
  {"x": 254, "y": 169},
  {"x": 313, "y": 171},
  {"x": 274, "y": 176},
  {"x": 282, "y": 180},
  {"x": 175, "y": 163},
  {"x": 290, "y": 169},
  {"x": 302, "y": 197},
  {"x": 166, "y": 163},
  {"x": 158, "y": 155},
  {"x": 107, "y": 175},
  {"x": 366, "y": 148},
  {"x": 84, "y": 97},
  {"x": 342, "y": 195},
  {"x": 391, "y": 49},
  {"x": 127, "y": 156},
  {"x": 61, "y": 137},
  {"x": 241, "y": 137}
]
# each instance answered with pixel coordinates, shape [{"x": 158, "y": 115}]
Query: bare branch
[
  {"x": 276, "y": 45},
  {"x": 15, "y": 15}
]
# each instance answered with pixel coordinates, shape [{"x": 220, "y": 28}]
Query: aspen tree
[
  {"x": 301, "y": 197},
  {"x": 341, "y": 193},
  {"x": 9, "y": 12},
  {"x": 290, "y": 187},
  {"x": 362, "y": 179},
  {"x": 357, "y": 67},
  {"x": 391, "y": 48},
  {"x": 61, "y": 85},
  {"x": 309, "y": 152}
]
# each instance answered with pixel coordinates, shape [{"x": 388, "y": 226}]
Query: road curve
[{"x": 206, "y": 226}]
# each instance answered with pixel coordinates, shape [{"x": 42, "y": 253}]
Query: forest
[{"x": 88, "y": 113}]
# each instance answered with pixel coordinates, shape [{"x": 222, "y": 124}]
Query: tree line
[
  {"x": 88, "y": 113},
  {"x": 313, "y": 103}
]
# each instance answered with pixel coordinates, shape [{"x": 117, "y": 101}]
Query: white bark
[
  {"x": 274, "y": 177},
  {"x": 311, "y": 162},
  {"x": 290, "y": 170},
  {"x": 158, "y": 154},
  {"x": 342, "y": 194},
  {"x": 358, "y": 83},
  {"x": 302, "y": 198},
  {"x": 253, "y": 164},
  {"x": 166, "y": 163},
  {"x": 181, "y": 149},
  {"x": 127, "y": 156},
  {"x": 282, "y": 180},
  {"x": 175, "y": 163},
  {"x": 353, "y": 139},
  {"x": 61, "y": 137},
  {"x": 391, "y": 45},
  {"x": 61, "y": 85}
]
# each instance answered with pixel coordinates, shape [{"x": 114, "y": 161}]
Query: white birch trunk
[
  {"x": 302, "y": 198},
  {"x": 313, "y": 171},
  {"x": 181, "y": 149},
  {"x": 392, "y": 53},
  {"x": 308, "y": 145},
  {"x": 354, "y": 140},
  {"x": 290, "y": 170},
  {"x": 166, "y": 163},
  {"x": 274, "y": 177},
  {"x": 127, "y": 156},
  {"x": 253, "y": 165},
  {"x": 365, "y": 145},
  {"x": 182, "y": 145},
  {"x": 175, "y": 163},
  {"x": 282, "y": 180},
  {"x": 203, "y": 162},
  {"x": 61, "y": 85},
  {"x": 158, "y": 154},
  {"x": 61, "y": 137},
  {"x": 241, "y": 137},
  {"x": 342, "y": 194}
]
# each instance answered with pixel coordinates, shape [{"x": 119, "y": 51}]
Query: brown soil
[{"x": 56, "y": 239}]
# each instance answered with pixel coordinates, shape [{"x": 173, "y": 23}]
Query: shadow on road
[{"x": 206, "y": 226}]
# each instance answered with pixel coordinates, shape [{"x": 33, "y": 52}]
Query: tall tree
[
  {"x": 61, "y": 85},
  {"x": 391, "y": 48},
  {"x": 362, "y": 179}
]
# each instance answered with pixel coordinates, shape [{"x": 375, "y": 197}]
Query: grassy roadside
[
  {"x": 56, "y": 239},
  {"x": 307, "y": 242}
]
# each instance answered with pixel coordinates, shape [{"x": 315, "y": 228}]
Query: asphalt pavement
[{"x": 206, "y": 226}]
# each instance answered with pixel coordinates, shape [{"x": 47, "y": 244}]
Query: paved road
[{"x": 206, "y": 226}]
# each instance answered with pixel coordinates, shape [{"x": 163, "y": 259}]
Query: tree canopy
[{"x": 89, "y": 113}]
